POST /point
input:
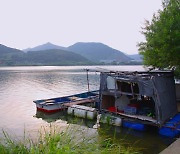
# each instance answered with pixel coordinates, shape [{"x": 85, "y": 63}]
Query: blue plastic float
[
  {"x": 133, "y": 125},
  {"x": 172, "y": 127}
]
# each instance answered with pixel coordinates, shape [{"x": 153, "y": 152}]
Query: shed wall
[{"x": 165, "y": 87}]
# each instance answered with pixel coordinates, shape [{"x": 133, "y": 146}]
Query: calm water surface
[{"x": 19, "y": 86}]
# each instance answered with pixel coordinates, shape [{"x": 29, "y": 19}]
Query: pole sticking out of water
[{"x": 87, "y": 70}]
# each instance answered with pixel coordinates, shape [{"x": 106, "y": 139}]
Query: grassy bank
[{"x": 69, "y": 141}]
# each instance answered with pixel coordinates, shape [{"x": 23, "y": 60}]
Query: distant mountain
[
  {"x": 98, "y": 52},
  {"x": 45, "y": 46},
  {"x": 77, "y": 54},
  {"x": 7, "y": 55},
  {"x": 95, "y": 52},
  {"x": 6, "y": 50},
  {"x": 14, "y": 57},
  {"x": 55, "y": 57},
  {"x": 136, "y": 57}
]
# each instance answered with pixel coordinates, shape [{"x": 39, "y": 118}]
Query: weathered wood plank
[{"x": 79, "y": 102}]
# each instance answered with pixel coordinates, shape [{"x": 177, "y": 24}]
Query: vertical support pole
[
  {"x": 87, "y": 79},
  {"x": 100, "y": 91},
  {"x": 115, "y": 92},
  {"x": 132, "y": 91}
]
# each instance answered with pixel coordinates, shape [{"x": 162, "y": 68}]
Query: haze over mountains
[
  {"x": 136, "y": 57},
  {"x": 50, "y": 54}
]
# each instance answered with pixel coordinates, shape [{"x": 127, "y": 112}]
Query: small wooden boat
[{"x": 57, "y": 104}]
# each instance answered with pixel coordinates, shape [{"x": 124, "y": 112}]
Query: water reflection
[
  {"x": 148, "y": 142},
  {"x": 52, "y": 117}
]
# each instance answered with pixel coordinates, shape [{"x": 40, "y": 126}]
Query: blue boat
[{"x": 60, "y": 103}]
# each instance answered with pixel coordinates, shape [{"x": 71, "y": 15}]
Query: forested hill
[
  {"x": 96, "y": 52},
  {"x": 99, "y": 52},
  {"x": 55, "y": 57},
  {"x": 8, "y": 54},
  {"x": 8, "y": 50},
  {"x": 14, "y": 57}
]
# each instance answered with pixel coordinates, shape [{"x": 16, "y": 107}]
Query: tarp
[
  {"x": 166, "y": 98},
  {"x": 159, "y": 86},
  {"x": 145, "y": 87}
]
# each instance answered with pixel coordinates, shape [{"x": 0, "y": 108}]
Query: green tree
[{"x": 162, "y": 46}]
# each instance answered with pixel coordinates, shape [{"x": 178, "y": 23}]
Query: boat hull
[
  {"x": 49, "y": 111},
  {"x": 49, "y": 108}
]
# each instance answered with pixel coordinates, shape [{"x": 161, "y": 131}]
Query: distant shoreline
[{"x": 104, "y": 64}]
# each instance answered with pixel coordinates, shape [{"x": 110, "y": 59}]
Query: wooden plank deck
[
  {"x": 140, "y": 117},
  {"x": 84, "y": 101}
]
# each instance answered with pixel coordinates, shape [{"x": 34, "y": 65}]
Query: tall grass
[{"x": 69, "y": 141}]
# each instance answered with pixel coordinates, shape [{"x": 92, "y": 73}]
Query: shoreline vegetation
[{"x": 70, "y": 140}]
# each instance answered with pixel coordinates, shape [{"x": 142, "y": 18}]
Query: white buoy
[
  {"x": 118, "y": 121},
  {"x": 80, "y": 113},
  {"x": 70, "y": 110},
  {"x": 112, "y": 120},
  {"x": 91, "y": 114}
]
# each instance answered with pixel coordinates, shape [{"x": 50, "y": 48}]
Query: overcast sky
[{"x": 117, "y": 23}]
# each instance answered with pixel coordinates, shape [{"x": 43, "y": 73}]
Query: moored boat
[{"x": 57, "y": 104}]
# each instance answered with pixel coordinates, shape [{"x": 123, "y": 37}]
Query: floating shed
[{"x": 144, "y": 97}]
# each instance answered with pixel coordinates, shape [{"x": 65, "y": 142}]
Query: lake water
[{"x": 19, "y": 86}]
